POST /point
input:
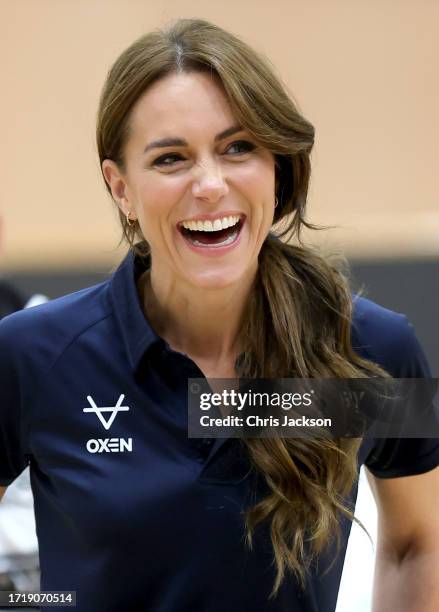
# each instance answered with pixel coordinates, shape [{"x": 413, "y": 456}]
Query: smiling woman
[{"x": 203, "y": 152}]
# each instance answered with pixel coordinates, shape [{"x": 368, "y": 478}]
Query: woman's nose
[{"x": 209, "y": 181}]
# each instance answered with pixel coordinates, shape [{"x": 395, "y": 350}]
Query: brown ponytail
[{"x": 308, "y": 478}]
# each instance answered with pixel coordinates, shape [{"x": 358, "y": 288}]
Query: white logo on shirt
[
  {"x": 108, "y": 445},
  {"x": 113, "y": 409}
]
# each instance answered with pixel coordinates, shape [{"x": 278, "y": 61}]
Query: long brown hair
[{"x": 298, "y": 319}]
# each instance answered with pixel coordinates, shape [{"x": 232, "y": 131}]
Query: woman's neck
[{"x": 202, "y": 323}]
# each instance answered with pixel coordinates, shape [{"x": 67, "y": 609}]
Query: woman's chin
[
  {"x": 216, "y": 279},
  {"x": 214, "y": 268}
]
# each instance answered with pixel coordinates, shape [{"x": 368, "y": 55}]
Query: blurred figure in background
[
  {"x": 10, "y": 298},
  {"x": 19, "y": 564}
]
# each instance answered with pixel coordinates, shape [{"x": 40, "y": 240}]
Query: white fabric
[{"x": 357, "y": 578}]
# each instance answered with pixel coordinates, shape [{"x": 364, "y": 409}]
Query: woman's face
[{"x": 201, "y": 188}]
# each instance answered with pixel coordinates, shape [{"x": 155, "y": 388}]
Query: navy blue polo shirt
[{"x": 131, "y": 513}]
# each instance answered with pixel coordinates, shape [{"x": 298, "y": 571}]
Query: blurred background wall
[{"x": 364, "y": 73}]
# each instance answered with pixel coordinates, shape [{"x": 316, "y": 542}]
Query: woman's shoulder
[
  {"x": 370, "y": 313},
  {"x": 55, "y": 322},
  {"x": 388, "y": 338}
]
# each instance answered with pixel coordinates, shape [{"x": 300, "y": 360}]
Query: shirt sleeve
[
  {"x": 13, "y": 452},
  {"x": 396, "y": 457}
]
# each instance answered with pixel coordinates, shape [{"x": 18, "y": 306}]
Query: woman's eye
[
  {"x": 161, "y": 161},
  {"x": 245, "y": 146},
  {"x": 169, "y": 159}
]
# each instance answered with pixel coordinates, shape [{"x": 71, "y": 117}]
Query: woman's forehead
[{"x": 188, "y": 101}]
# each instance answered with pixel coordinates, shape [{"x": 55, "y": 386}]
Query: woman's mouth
[{"x": 212, "y": 234}]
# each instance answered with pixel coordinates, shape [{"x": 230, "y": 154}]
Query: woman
[{"x": 202, "y": 151}]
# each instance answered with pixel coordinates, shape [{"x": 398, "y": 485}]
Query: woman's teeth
[
  {"x": 207, "y": 233},
  {"x": 209, "y": 226}
]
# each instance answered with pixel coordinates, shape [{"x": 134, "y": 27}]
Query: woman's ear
[
  {"x": 119, "y": 188},
  {"x": 115, "y": 181}
]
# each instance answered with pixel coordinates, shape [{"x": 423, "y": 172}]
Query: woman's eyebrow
[{"x": 180, "y": 142}]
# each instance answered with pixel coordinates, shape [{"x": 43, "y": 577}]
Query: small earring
[
  {"x": 276, "y": 201},
  {"x": 129, "y": 222}
]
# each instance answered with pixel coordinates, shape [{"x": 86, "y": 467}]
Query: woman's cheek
[{"x": 166, "y": 191}]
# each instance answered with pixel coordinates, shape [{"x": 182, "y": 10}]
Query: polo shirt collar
[{"x": 135, "y": 329}]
